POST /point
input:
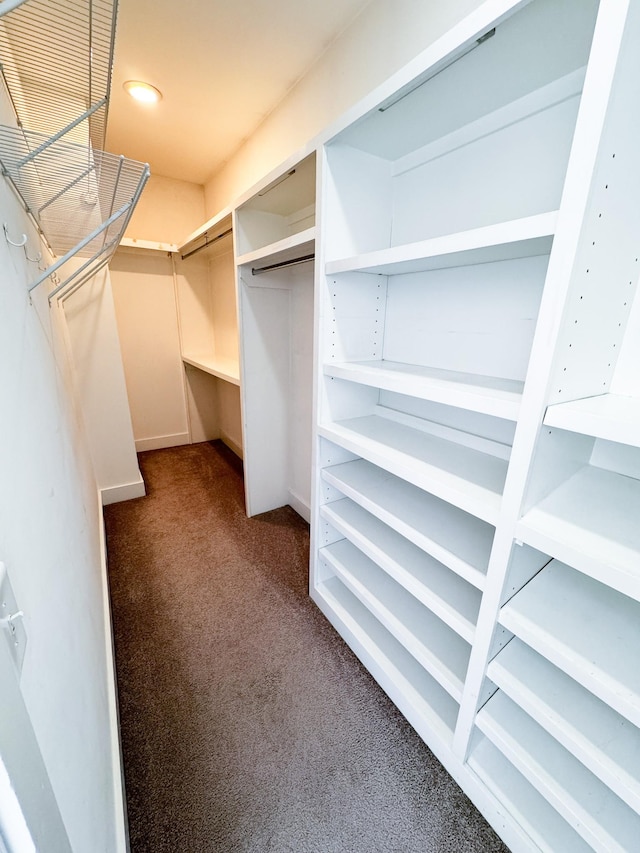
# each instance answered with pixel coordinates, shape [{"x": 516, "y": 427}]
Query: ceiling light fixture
[{"x": 143, "y": 92}]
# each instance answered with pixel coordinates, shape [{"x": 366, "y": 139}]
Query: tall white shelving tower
[{"x": 476, "y": 511}]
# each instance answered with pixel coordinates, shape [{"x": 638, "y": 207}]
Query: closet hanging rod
[
  {"x": 304, "y": 259},
  {"x": 207, "y": 243}
]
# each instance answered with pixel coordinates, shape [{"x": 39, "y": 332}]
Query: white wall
[
  {"x": 168, "y": 211},
  {"x": 380, "y": 41},
  {"x": 100, "y": 385},
  {"x": 50, "y": 543}
]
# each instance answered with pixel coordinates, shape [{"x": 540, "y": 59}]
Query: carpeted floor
[{"x": 247, "y": 724}]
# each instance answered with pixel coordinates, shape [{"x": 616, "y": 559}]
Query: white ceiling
[{"x": 222, "y": 66}]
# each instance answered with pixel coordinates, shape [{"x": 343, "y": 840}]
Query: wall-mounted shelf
[
  {"x": 221, "y": 368},
  {"x": 80, "y": 197}
]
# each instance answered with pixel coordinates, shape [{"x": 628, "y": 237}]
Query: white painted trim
[
  {"x": 157, "y": 442},
  {"x": 300, "y": 506},
  {"x": 124, "y": 492},
  {"x": 225, "y": 438},
  {"x": 121, "y": 828}
]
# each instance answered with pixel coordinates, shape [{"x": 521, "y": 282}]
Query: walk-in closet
[{"x": 406, "y": 305}]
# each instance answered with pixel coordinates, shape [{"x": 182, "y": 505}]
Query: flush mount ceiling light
[{"x": 144, "y": 92}]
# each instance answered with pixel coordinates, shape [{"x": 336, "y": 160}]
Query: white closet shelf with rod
[{"x": 79, "y": 196}]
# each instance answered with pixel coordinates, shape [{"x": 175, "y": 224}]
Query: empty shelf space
[
  {"x": 591, "y": 523},
  {"x": 546, "y": 828},
  {"x": 444, "y": 593},
  {"x": 518, "y": 238},
  {"x": 486, "y": 394},
  {"x": 587, "y": 629},
  {"x": 220, "y": 367},
  {"x": 460, "y": 541},
  {"x": 430, "y": 709},
  {"x": 442, "y": 653},
  {"x": 601, "y": 739},
  {"x": 468, "y": 478},
  {"x": 609, "y": 416},
  {"x": 282, "y": 251},
  {"x": 597, "y": 814}
]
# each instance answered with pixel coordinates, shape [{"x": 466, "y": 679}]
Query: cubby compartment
[
  {"x": 460, "y": 336},
  {"x": 280, "y": 217},
  {"x": 495, "y": 147}
]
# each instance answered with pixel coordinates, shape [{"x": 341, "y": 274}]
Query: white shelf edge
[
  {"x": 219, "y": 368},
  {"x": 457, "y": 564},
  {"x": 454, "y": 389},
  {"x": 438, "y": 604},
  {"x": 613, "y": 417},
  {"x": 150, "y": 245},
  {"x": 530, "y": 235},
  {"x": 282, "y": 250}
]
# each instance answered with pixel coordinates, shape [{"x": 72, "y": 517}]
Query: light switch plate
[{"x": 11, "y": 621}]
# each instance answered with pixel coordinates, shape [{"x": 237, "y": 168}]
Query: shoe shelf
[
  {"x": 606, "y": 743},
  {"x": 456, "y": 539},
  {"x": 426, "y": 704},
  {"x": 588, "y": 806},
  {"x": 588, "y": 630},
  {"x": 444, "y": 593},
  {"x": 469, "y": 478},
  {"x": 547, "y": 831}
]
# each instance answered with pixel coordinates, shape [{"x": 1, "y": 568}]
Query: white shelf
[
  {"x": 443, "y": 654},
  {"x": 486, "y": 394},
  {"x": 609, "y": 416},
  {"x": 444, "y": 593},
  {"x": 467, "y": 478},
  {"x": 591, "y": 522},
  {"x": 281, "y": 252},
  {"x": 547, "y": 829},
  {"x": 602, "y": 819},
  {"x": 427, "y": 706},
  {"x": 519, "y": 238},
  {"x": 458, "y": 540},
  {"x": 149, "y": 245},
  {"x": 606, "y": 743},
  {"x": 222, "y": 368},
  {"x": 588, "y": 630}
]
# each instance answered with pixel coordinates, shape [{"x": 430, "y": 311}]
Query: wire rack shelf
[{"x": 56, "y": 58}]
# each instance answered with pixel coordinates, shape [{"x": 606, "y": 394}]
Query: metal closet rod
[
  {"x": 206, "y": 243},
  {"x": 304, "y": 259}
]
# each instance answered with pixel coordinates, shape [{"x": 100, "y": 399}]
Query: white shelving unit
[
  {"x": 476, "y": 489},
  {"x": 275, "y": 249}
]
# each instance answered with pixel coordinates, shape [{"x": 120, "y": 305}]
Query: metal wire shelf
[{"x": 55, "y": 60}]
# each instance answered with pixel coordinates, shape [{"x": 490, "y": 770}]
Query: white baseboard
[
  {"x": 121, "y": 826},
  {"x": 124, "y": 492},
  {"x": 225, "y": 438},
  {"x": 157, "y": 442},
  {"x": 301, "y": 507}
]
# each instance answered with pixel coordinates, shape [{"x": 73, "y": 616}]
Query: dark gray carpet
[{"x": 247, "y": 724}]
